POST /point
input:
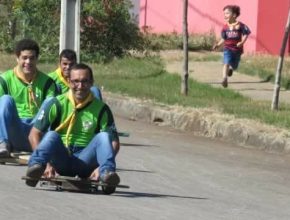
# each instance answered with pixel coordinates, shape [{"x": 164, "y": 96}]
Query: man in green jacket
[
  {"x": 81, "y": 137},
  {"x": 22, "y": 91}
]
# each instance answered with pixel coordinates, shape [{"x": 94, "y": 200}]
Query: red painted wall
[
  {"x": 272, "y": 19},
  {"x": 265, "y": 18}
]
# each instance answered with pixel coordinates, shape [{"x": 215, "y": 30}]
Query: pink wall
[
  {"x": 271, "y": 22},
  {"x": 207, "y": 15}
]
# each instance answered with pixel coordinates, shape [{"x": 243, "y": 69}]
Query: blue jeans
[
  {"x": 232, "y": 58},
  {"x": 13, "y": 130},
  {"x": 81, "y": 161}
]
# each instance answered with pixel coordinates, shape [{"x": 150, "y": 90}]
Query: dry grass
[
  {"x": 8, "y": 61},
  {"x": 268, "y": 62}
]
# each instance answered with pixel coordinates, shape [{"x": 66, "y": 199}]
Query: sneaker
[
  {"x": 225, "y": 83},
  {"x": 4, "y": 149},
  {"x": 35, "y": 171},
  {"x": 230, "y": 72},
  {"x": 112, "y": 179}
]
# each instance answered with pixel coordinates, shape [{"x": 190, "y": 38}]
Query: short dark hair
[
  {"x": 235, "y": 9},
  {"x": 82, "y": 66},
  {"x": 26, "y": 44},
  {"x": 69, "y": 54}
]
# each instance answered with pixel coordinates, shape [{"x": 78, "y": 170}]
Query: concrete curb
[{"x": 203, "y": 122}]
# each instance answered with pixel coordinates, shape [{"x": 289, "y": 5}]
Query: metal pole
[
  {"x": 63, "y": 25},
  {"x": 70, "y": 26},
  {"x": 77, "y": 29}
]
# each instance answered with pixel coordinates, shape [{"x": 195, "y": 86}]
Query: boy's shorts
[{"x": 232, "y": 58}]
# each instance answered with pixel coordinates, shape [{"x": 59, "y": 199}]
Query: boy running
[{"x": 233, "y": 36}]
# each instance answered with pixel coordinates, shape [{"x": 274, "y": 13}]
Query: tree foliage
[
  {"x": 107, "y": 29},
  {"x": 35, "y": 19}
]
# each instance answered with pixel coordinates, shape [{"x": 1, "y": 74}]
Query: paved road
[{"x": 172, "y": 175}]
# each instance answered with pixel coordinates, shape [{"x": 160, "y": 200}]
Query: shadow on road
[
  {"x": 126, "y": 194},
  {"x": 237, "y": 82},
  {"x": 152, "y": 195},
  {"x": 137, "y": 145},
  {"x": 133, "y": 170}
]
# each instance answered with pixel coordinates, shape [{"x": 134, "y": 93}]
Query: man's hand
[
  {"x": 49, "y": 171},
  {"x": 95, "y": 174}
]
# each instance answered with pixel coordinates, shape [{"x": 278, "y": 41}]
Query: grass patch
[
  {"x": 146, "y": 79},
  {"x": 8, "y": 61},
  {"x": 265, "y": 67}
]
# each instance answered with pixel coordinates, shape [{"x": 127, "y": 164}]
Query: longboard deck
[{"x": 75, "y": 184}]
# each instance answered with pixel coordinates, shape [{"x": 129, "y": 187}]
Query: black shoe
[
  {"x": 35, "y": 172},
  {"x": 230, "y": 72},
  {"x": 112, "y": 179}
]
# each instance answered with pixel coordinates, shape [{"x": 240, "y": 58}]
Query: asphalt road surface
[{"x": 172, "y": 175}]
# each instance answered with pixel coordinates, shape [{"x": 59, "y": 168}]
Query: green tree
[
  {"x": 107, "y": 29},
  {"x": 35, "y": 19}
]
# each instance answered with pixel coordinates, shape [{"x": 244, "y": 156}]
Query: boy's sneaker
[
  {"x": 112, "y": 179},
  {"x": 225, "y": 83},
  {"x": 35, "y": 171},
  {"x": 230, "y": 72}
]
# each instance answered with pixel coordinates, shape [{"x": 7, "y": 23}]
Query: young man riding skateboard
[
  {"x": 22, "y": 91},
  {"x": 81, "y": 137}
]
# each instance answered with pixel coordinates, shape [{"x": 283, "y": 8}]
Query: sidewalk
[{"x": 211, "y": 72}]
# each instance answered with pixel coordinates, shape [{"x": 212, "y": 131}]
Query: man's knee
[
  {"x": 51, "y": 134},
  {"x": 7, "y": 104},
  {"x": 6, "y": 100},
  {"x": 102, "y": 138},
  {"x": 103, "y": 135}
]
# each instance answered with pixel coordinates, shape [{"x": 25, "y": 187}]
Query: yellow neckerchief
[
  {"x": 60, "y": 76},
  {"x": 31, "y": 95},
  {"x": 234, "y": 26},
  {"x": 69, "y": 121}
]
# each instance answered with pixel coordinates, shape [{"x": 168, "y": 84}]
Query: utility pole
[
  {"x": 70, "y": 26},
  {"x": 184, "y": 76},
  {"x": 275, "y": 100}
]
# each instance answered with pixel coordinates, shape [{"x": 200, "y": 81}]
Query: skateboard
[
  {"x": 75, "y": 184},
  {"x": 19, "y": 158}
]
